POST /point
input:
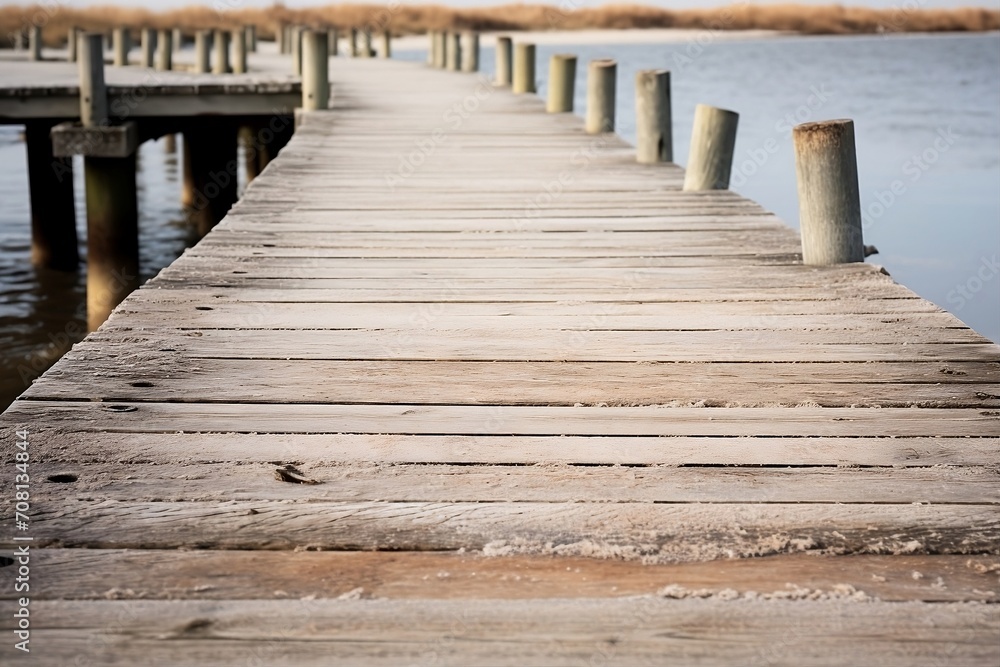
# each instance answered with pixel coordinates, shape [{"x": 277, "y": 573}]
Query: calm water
[{"x": 940, "y": 236}]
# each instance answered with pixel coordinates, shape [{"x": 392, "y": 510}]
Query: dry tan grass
[{"x": 833, "y": 19}]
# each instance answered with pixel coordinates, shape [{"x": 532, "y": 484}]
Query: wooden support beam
[{"x": 210, "y": 172}]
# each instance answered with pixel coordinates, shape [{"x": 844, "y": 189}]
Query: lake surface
[{"x": 927, "y": 118}]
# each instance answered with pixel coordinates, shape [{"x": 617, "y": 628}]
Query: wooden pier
[{"x": 456, "y": 383}]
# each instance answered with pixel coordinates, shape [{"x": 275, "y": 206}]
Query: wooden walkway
[{"x": 473, "y": 388}]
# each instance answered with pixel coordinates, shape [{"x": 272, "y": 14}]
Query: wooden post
[
  {"x": 202, "y": 60},
  {"x": 504, "y": 65},
  {"x": 250, "y": 35},
  {"x": 279, "y": 36},
  {"x": 431, "y": 43},
  {"x": 386, "y": 44},
  {"x": 601, "y": 76},
  {"x": 239, "y": 51},
  {"x": 221, "y": 64},
  {"x": 112, "y": 203},
  {"x": 332, "y": 41},
  {"x": 71, "y": 44},
  {"x": 654, "y": 140},
  {"x": 164, "y": 51},
  {"x": 35, "y": 42},
  {"x": 712, "y": 141},
  {"x": 210, "y": 171},
  {"x": 524, "y": 69},
  {"x": 470, "y": 51},
  {"x": 354, "y": 42},
  {"x": 315, "y": 82},
  {"x": 453, "y": 51},
  {"x": 147, "y": 47},
  {"x": 120, "y": 46},
  {"x": 93, "y": 93},
  {"x": 440, "y": 49},
  {"x": 366, "y": 43},
  {"x": 53, "y": 214},
  {"x": 170, "y": 143},
  {"x": 297, "y": 50},
  {"x": 177, "y": 39},
  {"x": 562, "y": 83},
  {"x": 829, "y": 201}
]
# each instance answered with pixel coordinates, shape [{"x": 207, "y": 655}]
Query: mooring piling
[
  {"x": 202, "y": 59},
  {"x": 562, "y": 83},
  {"x": 524, "y": 69},
  {"x": 470, "y": 51},
  {"x": 654, "y": 139},
  {"x": 164, "y": 51},
  {"x": 147, "y": 47},
  {"x": 504, "y": 61},
  {"x": 713, "y": 139},
  {"x": 601, "y": 79},
  {"x": 315, "y": 79},
  {"x": 453, "y": 51},
  {"x": 239, "y": 41},
  {"x": 221, "y": 45},
  {"x": 120, "y": 46}
]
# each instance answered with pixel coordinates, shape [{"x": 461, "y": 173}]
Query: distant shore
[{"x": 403, "y": 19}]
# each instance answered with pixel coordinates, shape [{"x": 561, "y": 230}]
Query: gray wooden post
[
  {"x": 279, "y": 36},
  {"x": 354, "y": 42},
  {"x": 210, "y": 171},
  {"x": 239, "y": 51},
  {"x": 35, "y": 42},
  {"x": 470, "y": 51},
  {"x": 386, "y": 44},
  {"x": 71, "y": 44},
  {"x": 440, "y": 49},
  {"x": 120, "y": 45},
  {"x": 504, "y": 66},
  {"x": 332, "y": 41},
  {"x": 177, "y": 39},
  {"x": 147, "y": 47},
  {"x": 93, "y": 93},
  {"x": 524, "y": 69},
  {"x": 202, "y": 59},
  {"x": 712, "y": 141},
  {"x": 221, "y": 44},
  {"x": 251, "y": 38},
  {"x": 562, "y": 83},
  {"x": 453, "y": 51},
  {"x": 601, "y": 76},
  {"x": 164, "y": 51},
  {"x": 654, "y": 140},
  {"x": 431, "y": 43},
  {"x": 297, "y": 49},
  {"x": 829, "y": 201},
  {"x": 315, "y": 79},
  {"x": 366, "y": 43}
]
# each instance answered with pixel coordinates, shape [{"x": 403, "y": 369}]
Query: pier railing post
[
  {"x": 177, "y": 39},
  {"x": 120, "y": 45},
  {"x": 601, "y": 76},
  {"x": 524, "y": 69},
  {"x": 35, "y": 42},
  {"x": 93, "y": 92},
  {"x": 470, "y": 51},
  {"x": 386, "y": 44},
  {"x": 713, "y": 139},
  {"x": 202, "y": 59},
  {"x": 72, "y": 37},
  {"x": 147, "y": 47},
  {"x": 279, "y": 37},
  {"x": 315, "y": 79},
  {"x": 654, "y": 138},
  {"x": 562, "y": 83},
  {"x": 221, "y": 47},
  {"x": 453, "y": 51},
  {"x": 297, "y": 49},
  {"x": 251, "y": 38},
  {"x": 239, "y": 39},
  {"x": 440, "y": 48},
  {"x": 353, "y": 45},
  {"x": 829, "y": 200},
  {"x": 332, "y": 41},
  {"x": 504, "y": 61},
  {"x": 164, "y": 51},
  {"x": 366, "y": 43}
]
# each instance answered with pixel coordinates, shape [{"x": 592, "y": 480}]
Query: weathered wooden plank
[
  {"x": 704, "y": 633},
  {"x": 142, "y": 373},
  {"x": 71, "y": 574},
  {"x": 632, "y": 531},
  {"x": 166, "y": 478},
  {"x": 485, "y": 420},
  {"x": 84, "y": 446}
]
